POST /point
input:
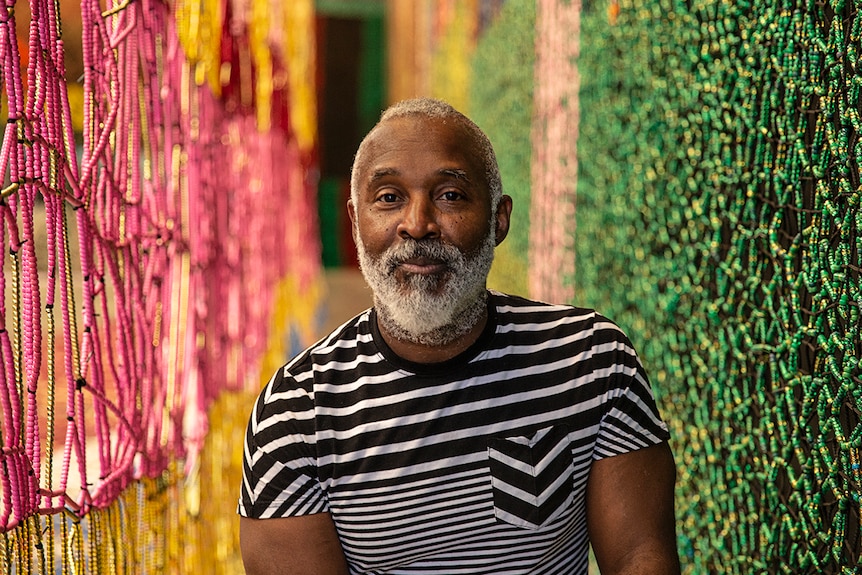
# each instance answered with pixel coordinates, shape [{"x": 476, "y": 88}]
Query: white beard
[{"x": 429, "y": 309}]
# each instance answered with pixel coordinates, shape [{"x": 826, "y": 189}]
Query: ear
[
  {"x": 502, "y": 218},
  {"x": 351, "y": 212}
]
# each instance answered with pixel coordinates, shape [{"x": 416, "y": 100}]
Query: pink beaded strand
[{"x": 554, "y": 163}]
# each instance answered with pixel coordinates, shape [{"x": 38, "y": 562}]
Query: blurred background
[{"x": 175, "y": 177}]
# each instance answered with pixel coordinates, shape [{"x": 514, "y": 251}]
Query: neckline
[{"x": 430, "y": 369}]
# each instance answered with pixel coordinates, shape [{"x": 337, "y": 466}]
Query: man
[{"x": 450, "y": 429}]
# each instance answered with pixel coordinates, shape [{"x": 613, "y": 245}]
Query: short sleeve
[
  {"x": 631, "y": 420},
  {"x": 279, "y": 457}
]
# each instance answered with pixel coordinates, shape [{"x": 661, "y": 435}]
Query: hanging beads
[{"x": 718, "y": 156}]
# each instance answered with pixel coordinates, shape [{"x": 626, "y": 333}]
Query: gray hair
[{"x": 431, "y": 108}]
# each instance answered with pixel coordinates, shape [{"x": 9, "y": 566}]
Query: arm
[
  {"x": 630, "y": 513},
  {"x": 291, "y": 546}
]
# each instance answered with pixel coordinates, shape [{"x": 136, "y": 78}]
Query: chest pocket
[{"x": 531, "y": 477}]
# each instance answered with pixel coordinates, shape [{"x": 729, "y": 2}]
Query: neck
[{"x": 422, "y": 353}]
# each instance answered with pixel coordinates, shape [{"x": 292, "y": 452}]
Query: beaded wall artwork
[
  {"x": 454, "y": 30},
  {"x": 161, "y": 263},
  {"x": 719, "y": 222}
]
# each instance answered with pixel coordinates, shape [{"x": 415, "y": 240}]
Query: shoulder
[
  {"x": 519, "y": 305},
  {"x": 345, "y": 342},
  {"x": 543, "y": 326},
  {"x": 291, "y": 387},
  {"x": 518, "y": 312}
]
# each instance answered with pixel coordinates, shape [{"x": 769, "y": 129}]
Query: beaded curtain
[
  {"x": 150, "y": 273},
  {"x": 719, "y": 223}
]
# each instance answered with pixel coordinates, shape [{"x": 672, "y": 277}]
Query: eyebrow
[
  {"x": 382, "y": 173},
  {"x": 455, "y": 173}
]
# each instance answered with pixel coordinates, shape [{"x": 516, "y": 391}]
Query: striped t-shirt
[{"x": 474, "y": 465}]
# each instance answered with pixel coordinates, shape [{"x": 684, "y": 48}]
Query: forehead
[{"x": 410, "y": 142}]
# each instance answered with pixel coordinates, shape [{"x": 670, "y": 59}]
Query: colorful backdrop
[{"x": 169, "y": 199}]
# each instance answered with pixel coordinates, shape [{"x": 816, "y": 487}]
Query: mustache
[{"x": 434, "y": 249}]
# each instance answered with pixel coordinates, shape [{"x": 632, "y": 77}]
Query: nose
[{"x": 419, "y": 220}]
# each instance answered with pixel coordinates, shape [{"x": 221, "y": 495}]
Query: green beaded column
[
  {"x": 719, "y": 223},
  {"x": 501, "y": 103}
]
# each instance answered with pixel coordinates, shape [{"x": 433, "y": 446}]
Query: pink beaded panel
[{"x": 147, "y": 259}]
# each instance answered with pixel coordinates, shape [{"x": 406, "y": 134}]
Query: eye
[
  {"x": 387, "y": 197},
  {"x": 451, "y": 195}
]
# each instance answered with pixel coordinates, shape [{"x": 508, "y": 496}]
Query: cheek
[
  {"x": 468, "y": 244},
  {"x": 375, "y": 233}
]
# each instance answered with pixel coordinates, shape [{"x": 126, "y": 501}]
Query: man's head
[
  {"x": 427, "y": 211},
  {"x": 437, "y": 109}
]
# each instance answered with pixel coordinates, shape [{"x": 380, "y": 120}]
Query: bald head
[{"x": 428, "y": 108}]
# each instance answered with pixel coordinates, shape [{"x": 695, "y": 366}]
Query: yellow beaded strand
[
  {"x": 298, "y": 28},
  {"x": 199, "y": 27}
]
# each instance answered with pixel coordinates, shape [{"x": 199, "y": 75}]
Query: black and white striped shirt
[{"x": 474, "y": 465}]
